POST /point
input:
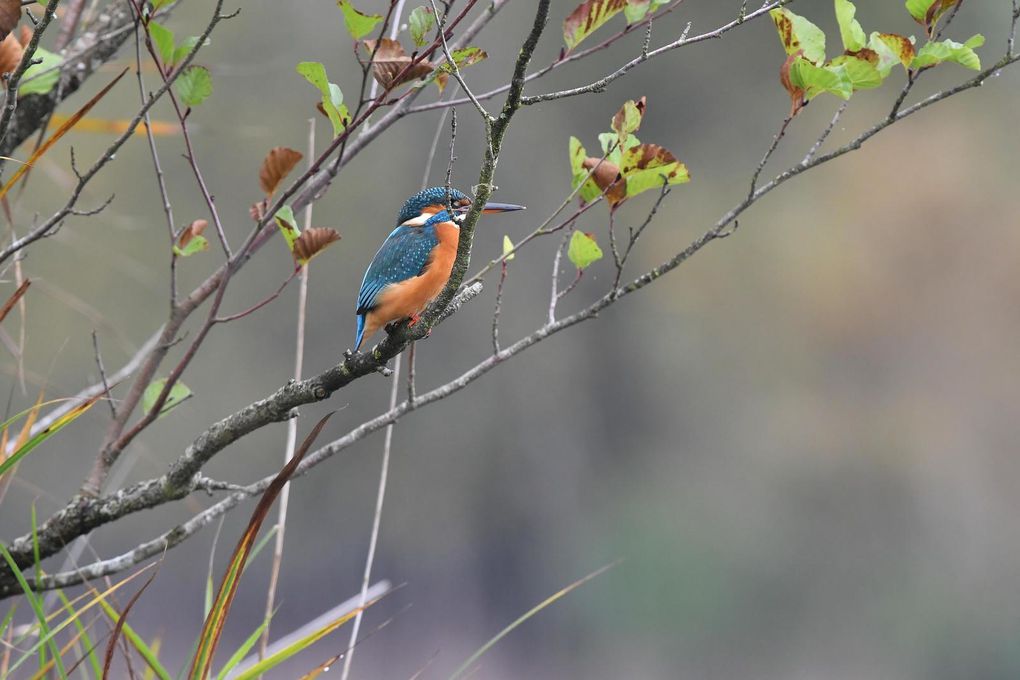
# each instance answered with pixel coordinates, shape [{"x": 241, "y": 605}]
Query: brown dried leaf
[
  {"x": 313, "y": 241},
  {"x": 194, "y": 229},
  {"x": 607, "y": 177},
  {"x": 10, "y": 54},
  {"x": 258, "y": 210},
  {"x": 390, "y": 62},
  {"x": 10, "y": 14},
  {"x": 276, "y": 166}
]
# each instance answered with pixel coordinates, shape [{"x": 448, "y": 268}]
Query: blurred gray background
[{"x": 802, "y": 444}]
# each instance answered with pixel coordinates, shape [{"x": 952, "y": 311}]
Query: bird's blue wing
[{"x": 403, "y": 255}]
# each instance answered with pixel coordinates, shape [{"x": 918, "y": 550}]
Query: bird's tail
[{"x": 361, "y": 332}]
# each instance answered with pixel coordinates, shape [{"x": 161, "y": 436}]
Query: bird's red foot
[{"x": 415, "y": 318}]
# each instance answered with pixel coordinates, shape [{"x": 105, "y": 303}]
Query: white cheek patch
[
  {"x": 459, "y": 217},
  {"x": 417, "y": 221}
]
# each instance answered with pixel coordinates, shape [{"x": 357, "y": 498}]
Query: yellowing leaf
[
  {"x": 648, "y": 166},
  {"x": 797, "y": 33},
  {"x": 853, "y": 35},
  {"x": 935, "y": 53},
  {"x": 583, "y": 251},
  {"x": 332, "y": 103},
  {"x": 628, "y": 119},
  {"x": 288, "y": 225},
  {"x": 358, "y": 25},
  {"x": 588, "y": 18},
  {"x": 508, "y": 249},
  {"x": 589, "y": 191},
  {"x": 178, "y": 393}
]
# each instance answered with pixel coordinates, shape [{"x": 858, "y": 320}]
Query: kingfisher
[{"x": 416, "y": 259}]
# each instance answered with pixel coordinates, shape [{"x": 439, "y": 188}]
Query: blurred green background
[{"x": 802, "y": 444}]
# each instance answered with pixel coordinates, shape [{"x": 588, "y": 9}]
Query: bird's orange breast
[{"x": 410, "y": 297}]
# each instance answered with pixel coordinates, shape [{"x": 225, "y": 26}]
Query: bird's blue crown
[{"x": 414, "y": 206}]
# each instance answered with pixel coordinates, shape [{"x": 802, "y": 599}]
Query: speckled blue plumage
[
  {"x": 403, "y": 255},
  {"x": 414, "y": 206}
]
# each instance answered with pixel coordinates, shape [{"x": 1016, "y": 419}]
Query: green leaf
[
  {"x": 645, "y": 166},
  {"x": 816, "y": 80},
  {"x": 609, "y": 140},
  {"x": 156, "y": 4},
  {"x": 196, "y": 245},
  {"x": 588, "y": 17},
  {"x": 163, "y": 41},
  {"x": 194, "y": 85},
  {"x": 850, "y": 30},
  {"x": 636, "y": 10},
  {"x": 863, "y": 74},
  {"x": 185, "y": 48},
  {"x": 508, "y": 254},
  {"x": 41, "y": 78},
  {"x": 178, "y": 393},
  {"x": 358, "y": 25},
  {"x": 891, "y": 49},
  {"x": 797, "y": 33},
  {"x": 288, "y": 225},
  {"x": 332, "y": 97},
  {"x": 589, "y": 191},
  {"x": 420, "y": 22},
  {"x": 83, "y": 632},
  {"x": 583, "y": 251},
  {"x": 935, "y": 53}
]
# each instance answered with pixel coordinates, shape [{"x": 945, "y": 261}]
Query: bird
[{"x": 416, "y": 259}]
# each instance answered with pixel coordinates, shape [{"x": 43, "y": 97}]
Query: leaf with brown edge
[
  {"x": 111, "y": 645},
  {"x": 607, "y": 176},
  {"x": 891, "y": 48},
  {"x": 628, "y": 119},
  {"x": 587, "y": 18},
  {"x": 313, "y": 241},
  {"x": 648, "y": 166},
  {"x": 213, "y": 628},
  {"x": 391, "y": 65},
  {"x": 10, "y": 15},
  {"x": 276, "y": 166},
  {"x": 191, "y": 240},
  {"x": 796, "y": 92}
]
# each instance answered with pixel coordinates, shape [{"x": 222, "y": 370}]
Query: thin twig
[{"x": 102, "y": 374}]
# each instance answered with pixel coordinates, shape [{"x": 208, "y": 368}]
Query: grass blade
[
  {"x": 48, "y": 635},
  {"x": 91, "y": 656},
  {"x": 40, "y": 437},
  {"x": 213, "y": 628},
  {"x": 242, "y": 651},
  {"x": 111, "y": 646},
  {"x": 37, "y": 607},
  {"x": 13, "y": 299},
  {"x": 524, "y": 617},
  {"x": 55, "y": 137},
  {"x": 150, "y": 657}
]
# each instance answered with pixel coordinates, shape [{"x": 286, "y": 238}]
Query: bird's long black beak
[{"x": 501, "y": 207}]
